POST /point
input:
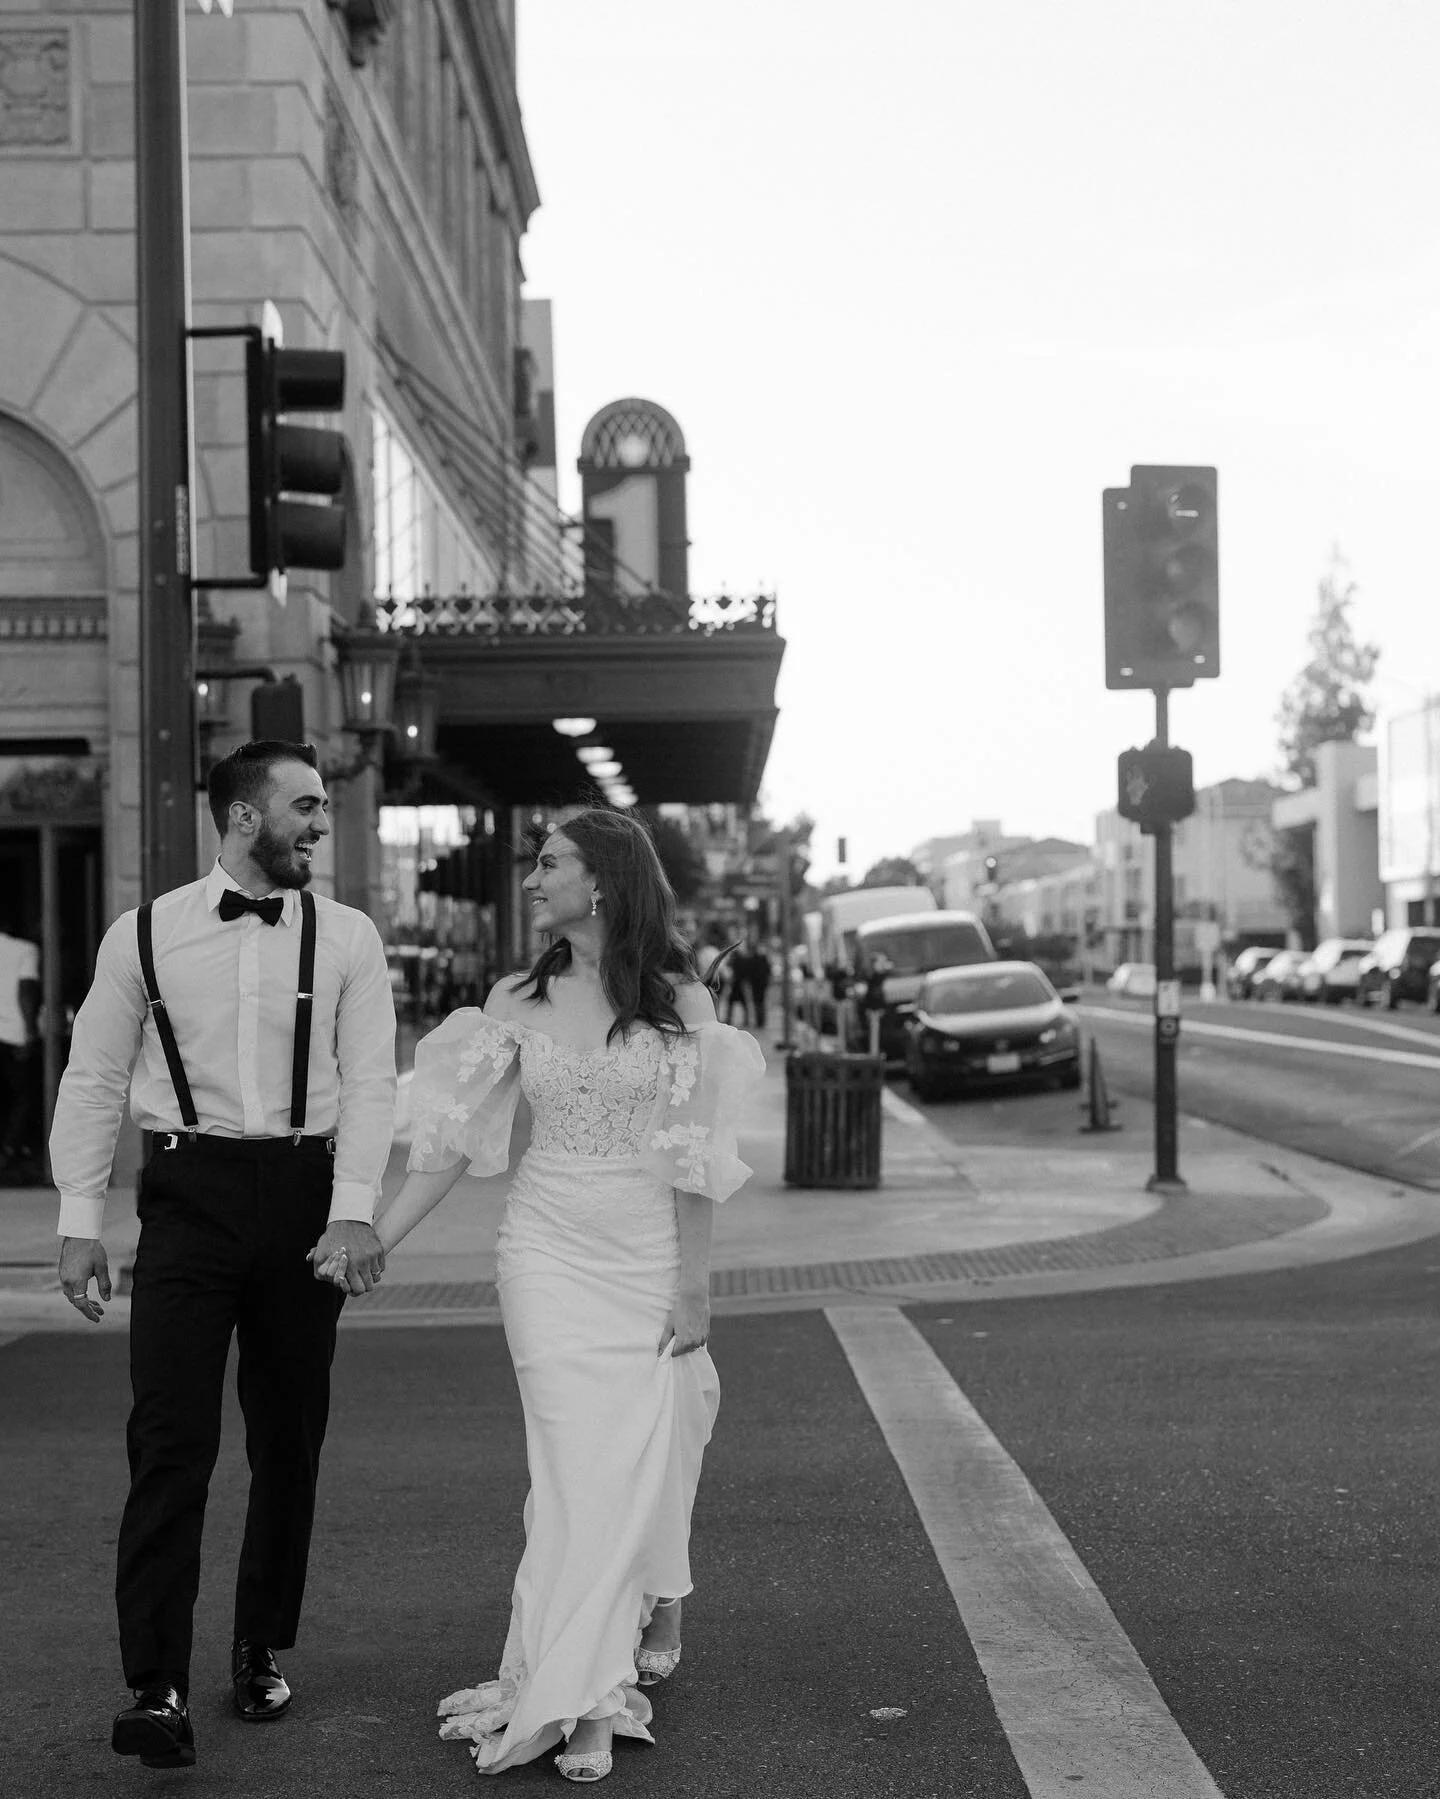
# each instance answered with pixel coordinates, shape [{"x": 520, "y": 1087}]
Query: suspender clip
[{"x": 295, "y": 1137}]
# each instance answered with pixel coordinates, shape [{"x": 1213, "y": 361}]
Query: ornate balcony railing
[{"x": 576, "y": 613}]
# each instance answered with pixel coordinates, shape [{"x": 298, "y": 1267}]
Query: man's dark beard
[{"x": 275, "y": 855}]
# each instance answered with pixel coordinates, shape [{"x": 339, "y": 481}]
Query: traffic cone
[{"x": 1098, "y": 1104}]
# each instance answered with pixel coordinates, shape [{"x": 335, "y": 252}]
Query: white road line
[
  {"x": 1317, "y": 1046},
  {"x": 1076, "y": 1702}
]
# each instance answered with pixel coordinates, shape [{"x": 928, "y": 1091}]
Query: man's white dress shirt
[{"x": 230, "y": 991}]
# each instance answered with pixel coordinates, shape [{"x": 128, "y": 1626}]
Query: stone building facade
[{"x": 362, "y": 164}]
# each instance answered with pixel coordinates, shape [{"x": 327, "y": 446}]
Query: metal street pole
[
  {"x": 167, "y": 625},
  {"x": 1167, "y": 1008},
  {"x": 786, "y": 860}
]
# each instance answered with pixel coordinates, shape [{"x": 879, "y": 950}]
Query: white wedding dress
[{"x": 587, "y": 1271}]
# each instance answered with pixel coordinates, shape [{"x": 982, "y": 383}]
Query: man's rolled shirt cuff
[
  {"x": 80, "y": 1215},
  {"x": 352, "y": 1202}
]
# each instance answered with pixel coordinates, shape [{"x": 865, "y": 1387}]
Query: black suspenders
[
  {"x": 162, "y": 1021},
  {"x": 304, "y": 1005}
]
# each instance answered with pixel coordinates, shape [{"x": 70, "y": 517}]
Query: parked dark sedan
[
  {"x": 988, "y": 1023},
  {"x": 1280, "y": 977},
  {"x": 1240, "y": 980},
  {"x": 1398, "y": 968}
]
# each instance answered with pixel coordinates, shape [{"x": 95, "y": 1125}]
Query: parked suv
[{"x": 1398, "y": 967}]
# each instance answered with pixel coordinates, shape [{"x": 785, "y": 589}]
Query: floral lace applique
[
  {"x": 684, "y": 1061},
  {"x": 693, "y": 1143},
  {"x": 591, "y": 1102},
  {"x": 487, "y": 1045}
]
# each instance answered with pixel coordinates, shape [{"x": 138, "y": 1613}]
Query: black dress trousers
[{"x": 225, "y": 1227}]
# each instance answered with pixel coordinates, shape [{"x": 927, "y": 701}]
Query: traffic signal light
[
  {"x": 1156, "y": 786},
  {"x": 277, "y": 710},
  {"x": 295, "y": 470},
  {"x": 1162, "y": 579}
]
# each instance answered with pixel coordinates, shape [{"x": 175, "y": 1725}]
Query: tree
[
  {"x": 1292, "y": 868},
  {"x": 1326, "y": 702},
  {"x": 893, "y": 871}
]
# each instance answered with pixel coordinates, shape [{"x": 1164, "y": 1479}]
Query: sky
[{"x": 920, "y": 280}]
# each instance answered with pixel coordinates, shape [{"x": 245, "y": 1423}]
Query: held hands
[
  {"x": 688, "y": 1325},
  {"x": 349, "y": 1256}
]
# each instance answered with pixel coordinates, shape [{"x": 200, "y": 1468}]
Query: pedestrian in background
[
  {"x": 19, "y": 1039},
  {"x": 603, "y": 1278},
  {"x": 755, "y": 973},
  {"x": 258, "y": 1023}
]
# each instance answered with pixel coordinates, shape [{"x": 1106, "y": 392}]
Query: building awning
[{"x": 688, "y": 710}]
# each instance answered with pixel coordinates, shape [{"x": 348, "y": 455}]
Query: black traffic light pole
[
  {"x": 167, "y": 625},
  {"x": 1166, "y": 1177},
  {"x": 1162, "y": 630}
]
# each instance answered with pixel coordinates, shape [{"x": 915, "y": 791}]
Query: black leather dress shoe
[
  {"x": 260, "y": 1689},
  {"x": 156, "y": 1728}
]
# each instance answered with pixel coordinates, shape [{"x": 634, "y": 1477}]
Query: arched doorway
[{"x": 53, "y": 717}]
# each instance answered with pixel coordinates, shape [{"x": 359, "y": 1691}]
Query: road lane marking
[
  {"x": 1318, "y": 1046},
  {"x": 1076, "y": 1702}
]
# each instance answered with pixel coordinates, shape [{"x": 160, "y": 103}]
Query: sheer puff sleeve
[
  {"x": 709, "y": 1076},
  {"x": 463, "y": 1098}
]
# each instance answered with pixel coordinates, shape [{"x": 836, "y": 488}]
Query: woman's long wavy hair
[{"x": 645, "y": 958}]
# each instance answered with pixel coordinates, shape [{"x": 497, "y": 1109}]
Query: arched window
[{"x": 50, "y": 540}]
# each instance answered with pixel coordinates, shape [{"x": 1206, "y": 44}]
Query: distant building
[
  {"x": 1342, "y": 810},
  {"x": 1408, "y": 806},
  {"x": 1221, "y": 863},
  {"x": 968, "y": 883}
]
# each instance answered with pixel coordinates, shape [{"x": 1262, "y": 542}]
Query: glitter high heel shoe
[
  {"x": 654, "y": 1665},
  {"x": 594, "y": 1766},
  {"x": 586, "y": 1765}
]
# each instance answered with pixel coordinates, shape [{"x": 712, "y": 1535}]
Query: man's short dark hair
[{"x": 247, "y": 774}]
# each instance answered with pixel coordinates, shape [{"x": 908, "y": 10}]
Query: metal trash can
[{"x": 832, "y": 1119}]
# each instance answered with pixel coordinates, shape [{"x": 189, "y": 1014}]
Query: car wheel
[
  {"x": 1070, "y": 1081},
  {"x": 921, "y": 1085},
  {"x": 1434, "y": 996}
]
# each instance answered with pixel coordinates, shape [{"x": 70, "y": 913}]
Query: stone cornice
[{"x": 493, "y": 62}]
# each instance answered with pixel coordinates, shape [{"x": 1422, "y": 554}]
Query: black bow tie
[{"x": 233, "y": 904}]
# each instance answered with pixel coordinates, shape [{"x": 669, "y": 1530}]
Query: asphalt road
[
  {"x": 1247, "y": 1468},
  {"x": 1358, "y": 1088}
]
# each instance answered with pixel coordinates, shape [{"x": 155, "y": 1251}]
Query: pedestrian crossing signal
[{"x": 1156, "y": 786}]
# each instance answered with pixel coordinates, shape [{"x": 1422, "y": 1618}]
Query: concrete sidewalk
[{"x": 950, "y": 1220}]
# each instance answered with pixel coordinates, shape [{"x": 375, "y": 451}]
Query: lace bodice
[
  {"x": 671, "y": 1106},
  {"x": 591, "y": 1102}
]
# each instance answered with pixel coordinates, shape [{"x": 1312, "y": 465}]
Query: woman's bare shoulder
[
  {"x": 504, "y": 1000},
  {"x": 695, "y": 1003}
]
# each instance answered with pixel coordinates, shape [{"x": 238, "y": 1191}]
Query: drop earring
[{"x": 594, "y": 904}]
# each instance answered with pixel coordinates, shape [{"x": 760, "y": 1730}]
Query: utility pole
[
  {"x": 1166, "y": 1177},
  {"x": 786, "y": 862},
  {"x": 167, "y": 625}
]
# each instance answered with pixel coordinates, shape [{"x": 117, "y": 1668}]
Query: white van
[
  {"x": 907, "y": 949},
  {"x": 841, "y": 914}
]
